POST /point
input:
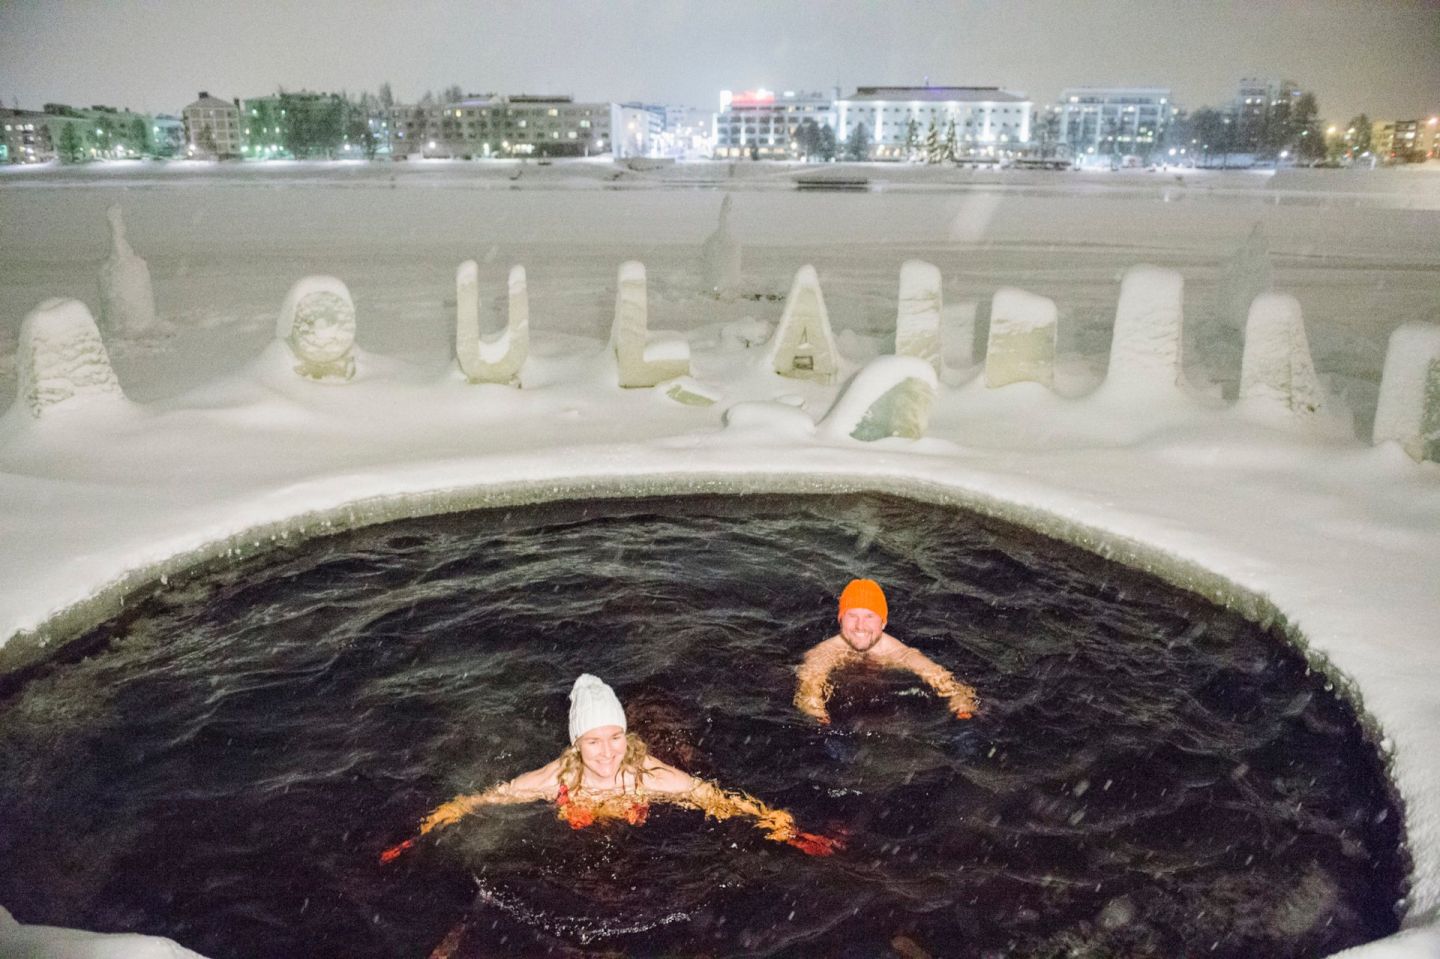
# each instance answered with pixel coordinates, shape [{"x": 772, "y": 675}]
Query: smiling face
[
  {"x": 601, "y": 751},
  {"x": 861, "y": 628}
]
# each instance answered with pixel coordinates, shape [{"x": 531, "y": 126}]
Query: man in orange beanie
[{"x": 862, "y": 639}]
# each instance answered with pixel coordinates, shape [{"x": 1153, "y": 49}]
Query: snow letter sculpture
[
  {"x": 803, "y": 345},
  {"x": 891, "y": 396},
  {"x": 127, "y": 301},
  {"x": 499, "y": 358},
  {"x": 643, "y": 358},
  {"x": 720, "y": 257},
  {"x": 317, "y": 322},
  {"x": 1145, "y": 351},
  {"x": 1276, "y": 372},
  {"x": 61, "y": 361},
  {"x": 1409, "y": 407},
  {"x": 917, "y": 322},
  {"x": 1022, "y": 339}
]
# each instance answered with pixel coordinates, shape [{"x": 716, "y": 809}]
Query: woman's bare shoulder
[{"x": 538, "y": 782}]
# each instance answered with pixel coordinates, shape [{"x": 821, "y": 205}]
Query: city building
[
  {"x": 26, "y": 137},
  {"x": 213, "y": 128},
  {"x": 523, "y": 125},
  {"x": 689, "y": 132},
  {"x": 1112, "y": 122},
  {"x": 986, "y": 121},
  {"x": 168, "y": 135},
  {"x": 1405, "y": 141},
  {"x": 1258, "y": 103},
  {"x": 762, "y": 124}
]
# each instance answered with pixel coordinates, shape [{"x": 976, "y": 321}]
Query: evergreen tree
[
  {"x": 206, "y": 141},
  {"x": 140, "y": 136},
  {"x": 1309, "y": 141},
  {"x": 857, "y": 144},
  {"x": 912, "y": 139},
  {"x": 807, "y": 139},
  {"x": 932, "y": 144},
  {"x": 826, "y": 148},
  {"x": 387, "y": 96},
  {"x": 454, "y": 94},
  {"x": 1357, "y": 135},
  {"x": 950, "y": 148},
  {"x": 70, "y": 147}
]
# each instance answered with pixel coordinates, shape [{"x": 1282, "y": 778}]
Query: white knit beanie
[{"x": 592, "y": 705}]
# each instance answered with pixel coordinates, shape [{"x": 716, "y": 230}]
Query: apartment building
[
  {"x": 1115, "y": 121},
  {"x": 988, "y": 121},
  {"x": 26, "y": 137},
  {"x": 213, "y": 128},
  {"x": 761, "y": 124}
]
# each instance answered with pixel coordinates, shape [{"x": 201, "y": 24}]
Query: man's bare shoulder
[{"x": 827, "y": 649}]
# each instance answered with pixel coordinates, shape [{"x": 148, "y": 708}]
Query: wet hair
[{"x": 572, "y": 769}]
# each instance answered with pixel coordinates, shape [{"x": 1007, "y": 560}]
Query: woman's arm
[{"x": 535, "y": 785}]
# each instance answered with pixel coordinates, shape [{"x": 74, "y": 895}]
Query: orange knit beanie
[{"x": 864, "y": 594}]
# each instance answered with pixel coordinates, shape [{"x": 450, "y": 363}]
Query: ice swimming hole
[{"x": 1150, "y": 775}]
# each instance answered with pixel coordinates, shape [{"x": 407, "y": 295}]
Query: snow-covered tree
[
  {"x": 934, "y": 153},
  {"x": 857, "y": 144}
]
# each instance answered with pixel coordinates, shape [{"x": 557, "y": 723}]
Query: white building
[
  {"x": 761, "y": 124},
  {"x": 522, "y": 125},
  {"x": 212, "y": 127},
  {"x": 988, "y": 121},
  {"x": 1114, "y": 121}
]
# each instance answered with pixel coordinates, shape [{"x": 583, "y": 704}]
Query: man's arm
[
  {"x": 960, "y": 697},
  {"x": 814, "y": 689}
]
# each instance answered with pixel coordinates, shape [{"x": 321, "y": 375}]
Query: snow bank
[{"x": 19, "y": 941}]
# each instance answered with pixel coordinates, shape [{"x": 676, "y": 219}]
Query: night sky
[{"x": 1376, "y": 56}]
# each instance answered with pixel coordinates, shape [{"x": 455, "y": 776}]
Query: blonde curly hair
[{"x": 572, "y": 769}]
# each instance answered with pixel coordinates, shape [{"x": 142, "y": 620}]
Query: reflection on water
[{"x": 1151, "y": 776}]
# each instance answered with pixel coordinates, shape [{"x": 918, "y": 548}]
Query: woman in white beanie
[{"x": 608, "y": 773}]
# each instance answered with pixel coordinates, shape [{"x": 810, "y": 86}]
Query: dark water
[{"x": 1151, "y": 776}]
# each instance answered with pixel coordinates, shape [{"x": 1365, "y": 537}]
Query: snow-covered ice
[{"x": 218, "y": 453}]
